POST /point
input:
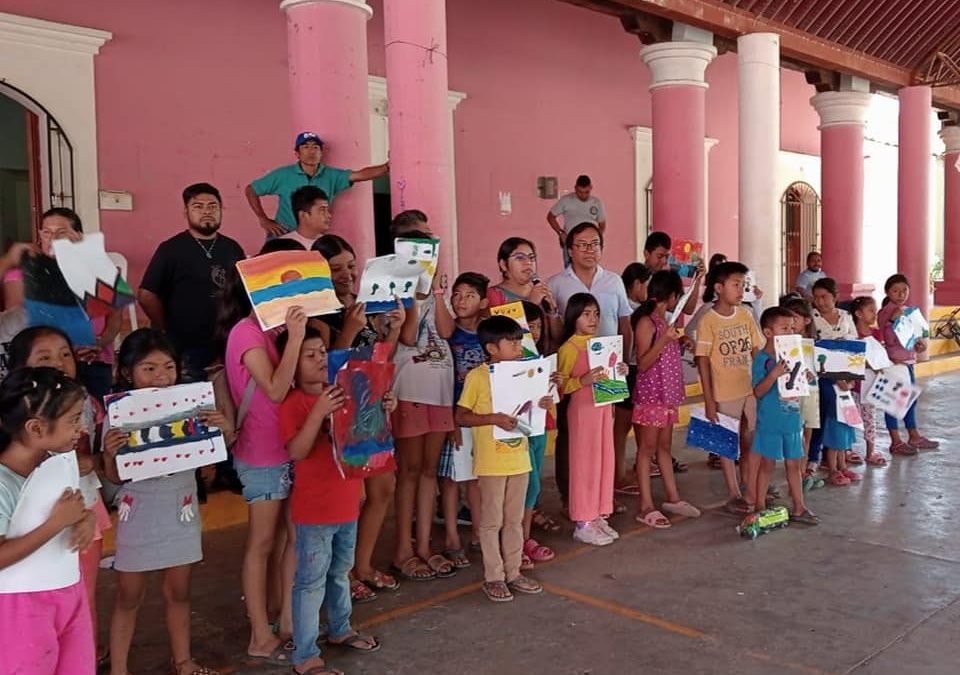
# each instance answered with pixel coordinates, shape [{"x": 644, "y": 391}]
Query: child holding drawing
[
  {"x": 46, "y": 631},
  {"x": 658, "y": 393},
  {"x": 591, "y": 427},
  {"x": 864, "y": 311},
  {"x": 897, "y": 289},
  {"x": 810, "y": 404}
]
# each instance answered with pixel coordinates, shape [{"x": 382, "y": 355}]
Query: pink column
[
  {"x": 913, "y": 192},
  {"x": 678, "y": 99},
  {"x": 327, "y": 60},
  {"x": 948, "y": 291},
  {"x": 842, "y": 118},
  {"x": 421, "y": 152}
]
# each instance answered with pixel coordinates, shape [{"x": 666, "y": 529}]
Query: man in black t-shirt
[{"x": 179, "y": 287}]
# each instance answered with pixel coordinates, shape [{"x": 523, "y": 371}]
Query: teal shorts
[{"x": 778, "y": 445}]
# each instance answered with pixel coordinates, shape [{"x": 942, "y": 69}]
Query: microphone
[{"x": 544, "y": 304}]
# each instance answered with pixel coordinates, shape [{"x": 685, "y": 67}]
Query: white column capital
[
  {"x": 951, "y": 138},
  {"x": 356, "y": 4},
  {"x": 838, "y": 108},
  {"x": 673, "y": 63}
]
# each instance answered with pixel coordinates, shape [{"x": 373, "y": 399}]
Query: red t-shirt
[{"x": 321, "y": 496}]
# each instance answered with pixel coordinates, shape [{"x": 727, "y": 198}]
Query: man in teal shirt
[{"x": 308, "y": 170}]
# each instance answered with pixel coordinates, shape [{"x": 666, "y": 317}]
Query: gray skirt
[{"x": 158, "y": 524}]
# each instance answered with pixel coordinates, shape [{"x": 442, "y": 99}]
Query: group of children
[{"x": 316, "y": 552}]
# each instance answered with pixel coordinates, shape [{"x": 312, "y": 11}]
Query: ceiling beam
[{"x": 728, "y": 21}]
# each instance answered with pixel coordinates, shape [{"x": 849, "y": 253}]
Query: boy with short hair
[
  {"x": 727, "y": 340},
  {"x": 779, "y": 434},
  {"x": 502, "y": 467}
]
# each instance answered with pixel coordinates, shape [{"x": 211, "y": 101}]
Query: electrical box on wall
[
  {"x": 547, "y": 187},
  {"x": 116, "y": 200}
]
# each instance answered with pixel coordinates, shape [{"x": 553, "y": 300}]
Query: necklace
[{"x": 207, "y": 251}]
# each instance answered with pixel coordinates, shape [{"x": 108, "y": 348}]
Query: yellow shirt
[
  {"x": 729, "y": 342},
  {"x": 491, "y": 457},
  {"x": 567, "y": 361}
]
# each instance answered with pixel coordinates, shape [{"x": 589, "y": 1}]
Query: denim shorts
[{"x": 264, "y": 483}]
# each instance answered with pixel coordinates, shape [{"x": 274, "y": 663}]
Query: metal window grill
[
  {"x": 800, "y": 220},
  {"x": 59, "y": 165}
]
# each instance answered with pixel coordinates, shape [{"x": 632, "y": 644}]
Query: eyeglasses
[
  {"x": 594, "y": 245},
  {"x": 524, "y": 257}
]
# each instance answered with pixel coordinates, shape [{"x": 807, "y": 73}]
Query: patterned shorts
[{"x": 659, "y": 416}]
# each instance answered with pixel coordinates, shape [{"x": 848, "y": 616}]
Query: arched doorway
[{"x": 800, "y": 222}]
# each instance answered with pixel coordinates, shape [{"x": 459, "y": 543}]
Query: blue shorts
[
  {"x": 778, "y": 445},
  {"x": 264, "y": 483}
]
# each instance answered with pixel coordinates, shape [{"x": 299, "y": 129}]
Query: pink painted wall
[{"x": 551, "y": 91}]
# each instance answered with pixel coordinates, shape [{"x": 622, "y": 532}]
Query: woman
[
  {"x": 517, "y": 260},
  {"x": 354, "y": 328}
]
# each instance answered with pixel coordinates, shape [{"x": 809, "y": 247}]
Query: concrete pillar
[
  {"x": 678, "y": 98},
  {"x": 418, "y": 118},
  {"x": 327, "y": 61},
  {"x": 913, "y": 192},
  {"x": 948, "y": 291},
  {"x": 758, "y": 78},
  {"x": 843, "y": 115}
]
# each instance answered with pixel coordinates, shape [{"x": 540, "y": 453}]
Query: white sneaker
[
  {"x": 591, "y": 534},
  {"x": 604, "y": 527}
]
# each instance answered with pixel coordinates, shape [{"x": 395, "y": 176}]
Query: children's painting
[
  {"x": 50, "y": 302},
  {"x": 91, "y": 275},
  {"x": 278, "y": 281},
  {"x": 840, "y": 359},
  {"x": 54, "y": 565},
  {"x": 685, "y": 257},
  {"x": 789, "y": 349},
  {"x": 514, "y": 310},
  {"x": 164, "y": 431},
  {"x": 387, "y": 279},
  {"x": 607, "y": 352},
  {"x": 892, "y": 391},
  {"x": 517, "y": 387},
  {"x": 810, "y": 357},
  {"x": 722, "y": 438},
  {"x": 848, "y": 412},
  {"x": 911, "y": 326},
  {"x": 423, "y": 253},
  {"x": 362, "y": 437},
  {"x": 877, "y": 358}
]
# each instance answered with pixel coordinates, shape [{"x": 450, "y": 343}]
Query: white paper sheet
[
  {"x": 552, "y": 360},
  {"x": 387, "y": 278},
  {"x": 424, "y": 252},
  {"x": 517, "y": 387},
  {"x": 85, "y": 266},
  {"x": 53, "y": 565},
  {"x": 892, "y": 392},
  {"x": 789, "y": 348},
  {"x": 877, "y": 358},
  {"x": 463, "y": 457}
]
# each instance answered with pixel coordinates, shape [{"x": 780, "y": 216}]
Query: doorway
[{"x": 800, "y": 229}]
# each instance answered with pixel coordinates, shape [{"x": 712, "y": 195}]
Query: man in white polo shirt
[{"x": 579, "y": 206}]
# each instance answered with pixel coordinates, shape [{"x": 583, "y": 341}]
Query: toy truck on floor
[{"x": 760, "y": 523}]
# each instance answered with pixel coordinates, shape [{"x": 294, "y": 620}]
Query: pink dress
[
  {"x": 659, "y": 389},
  {"x": 591, "y": 439}
]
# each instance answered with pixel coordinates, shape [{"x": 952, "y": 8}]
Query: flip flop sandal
[
  {"x": 854, "y": 458},
  {"x": 805, "y": 518},
  {"x": 876, "y": 459},
  {"x": 414, "y": 569},
  {"x": 655, "y": 519},
  {"x": 458, "y": 557},
  {"x": 280, "y": 656},
  {"x": 526, "y": 564},
  {"x": 903, "y": 449},
  {"x": 361, "y": 593},
  {"x": 853, "y": 476},
  {"x": 738, "y": 507},
  {"x": 681, "y": 508},
  {"x": 525, "y": 585},
  {"x": 924, "y": 444},
  {"x": 358, "y": 643},
  {"x": 438, "y": 564},
  {"x": 381, "y": 582},
  {"x": 497, "y": 591},
  {"x": 537, "y": 551},
  {"x": 838, "y": 479},
  {"x": 632, "y": 490}
]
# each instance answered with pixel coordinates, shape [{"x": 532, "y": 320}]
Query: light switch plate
[{"x": 116, "y": 200}]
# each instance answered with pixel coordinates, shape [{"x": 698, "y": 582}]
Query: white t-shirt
[
  {"x": 425, "y": 371},
  {"x": 296, "y": 236},
  {"x": 845, "y": 329},
  {"x": 575, "y": 211}
]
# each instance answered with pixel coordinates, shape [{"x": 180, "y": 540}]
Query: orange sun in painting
[{"x": 290, "y": 275}]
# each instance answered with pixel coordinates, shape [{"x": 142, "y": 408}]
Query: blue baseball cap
[{"x": 307, "y": 136}]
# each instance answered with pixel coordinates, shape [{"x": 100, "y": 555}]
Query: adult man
[
  {"x": 307, "y": 170},
  {"x": 808, "y": 277},
  {"x": 311, "y": 208},
  {"x": 576, "y": 207},
  {"x": 179, "y": 287}
]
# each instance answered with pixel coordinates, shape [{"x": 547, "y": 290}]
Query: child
[
  {"x": 897, "y": 289},
  {"x": 779, "y": 428},
  {"x": 469, "y": 300},
  {"x": 48, "y": 631},
  {"x": 43, "y": 346},
  {"x": 502, "y": 467},
  {"x": 324, "y": 507},
  {"x": 727, "y": 341},
  {"x": 864, "y": 310},
  {"x": 809, "y": 405},
  {"x": 591, "y": 427},
  {"x": 658, "y": 394},
  {"x": 838, "y": 437},
  {"x": 158, "y": 527}
]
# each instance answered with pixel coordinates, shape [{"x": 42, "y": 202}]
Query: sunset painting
[{"x": 277, "y": 281}]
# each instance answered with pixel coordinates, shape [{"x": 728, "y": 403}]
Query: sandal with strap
[
  {"x": 414, "y": 569},
  {"x": 854, "y": 457},
  {"x": 806, "y": 517},
  {"x": 360, "y": 592},
  {"x": 525, "y": 585},
  {"x": 681, "y": 508},
  {"x": 901, "y": 448},
  {"x": 280, "y": 656},
  {"x": 853, "y": 476},
  {"x": 545, "y": 522},
  {"x": 654, "y": 519},
  {"x": 497, "y": 591},
  {"x": 838, "y": 479},
  {"x": 458, "y": 557},
  {"x": 876, "y": 459},
  {"x": 526, "y": 564},
  {"x": 443, "y": 568},
  {"x": 537, "y": 551},
  {"x": 365, "y": 644},
  {"x": 178, "y": 668},
  {"x": 924, "y": 443},
  {"x": 381, "y": 582}
]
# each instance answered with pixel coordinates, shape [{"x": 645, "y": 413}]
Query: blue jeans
[
  {"x": 324, "y": 561},
  {"x": 910, "y": 421}
]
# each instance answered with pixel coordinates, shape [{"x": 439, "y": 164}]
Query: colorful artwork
[
  {"x": 840, "y": 359},
  {"x": 165, "y": 434},
  {"x": 362, "y": 438},
  {"x": 810, "y": 357},
  {"x": 892, "y": 391},
  {"x": 607, "y": 352},
  {"x": 515, "y": 311},
  {"x": 789, "y": 349},
  {"x": 721, "y": 439},
  {"x": 278, "y": 281},
  {"x": 91, "y": 275},
  {"x": 517, "y": 387},
  {"x": 54, "y": 565},
  {"x": 911, "y": 326},
  {"x": 877, "y": 358},
  {"x": 685, "y": 257},
  {"x": 848, "y": 412},
  {"x": 422, "y": 252},
  {"x": 50, "y": 302},
  {"x": 386, "y": 279}
]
